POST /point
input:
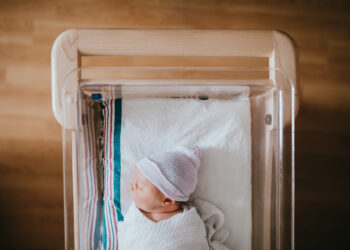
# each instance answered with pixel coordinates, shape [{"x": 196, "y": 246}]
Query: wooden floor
[{"x": 31, "y": 198}]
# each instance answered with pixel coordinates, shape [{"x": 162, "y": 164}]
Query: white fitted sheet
[{"x": 222, "y": 130}]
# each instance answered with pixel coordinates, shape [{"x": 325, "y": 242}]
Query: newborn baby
[{"x": 158, "y": 218}]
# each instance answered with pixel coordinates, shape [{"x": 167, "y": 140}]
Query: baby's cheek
[
  {"x": 147, "y": 194},
  {"x": 137, "y": 195},
  {"x": 143, "y": 195},
  {"x": 133, "y": 195}
]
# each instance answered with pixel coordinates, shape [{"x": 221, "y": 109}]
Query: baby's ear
[{"x": 167, "y": 201}]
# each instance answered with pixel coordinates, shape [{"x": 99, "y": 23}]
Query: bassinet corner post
[
  {"x": 64, "y": 61},
  {"x": 285, "y": 59}
]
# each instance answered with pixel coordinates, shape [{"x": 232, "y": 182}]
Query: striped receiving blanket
[
  {"x": 99, "y": 173},
  {"x": 114, "y": 134}
]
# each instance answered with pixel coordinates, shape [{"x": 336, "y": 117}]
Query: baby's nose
[{"x": 133, "y": 186}]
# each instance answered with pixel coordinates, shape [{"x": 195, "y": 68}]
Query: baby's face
[{"x": 145, "y": 195}]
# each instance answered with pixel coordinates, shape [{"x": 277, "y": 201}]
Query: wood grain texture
[{"x": 31, "y": 198}]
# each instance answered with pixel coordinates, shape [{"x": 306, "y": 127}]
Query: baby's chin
[
  {"x": 139, "y": 204},
  {"x": 142, "y": 207}
]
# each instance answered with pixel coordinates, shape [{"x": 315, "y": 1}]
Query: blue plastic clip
[{"x": 96, "y": 96}]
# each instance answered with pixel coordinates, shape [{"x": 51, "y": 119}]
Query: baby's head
[{"x": 163, "y": 180}]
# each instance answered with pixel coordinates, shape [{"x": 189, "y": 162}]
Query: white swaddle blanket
[
  {"x": 213, "y": 219},
  {"x": 184, "y": 231}
]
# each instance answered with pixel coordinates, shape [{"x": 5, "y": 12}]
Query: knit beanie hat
[{"x": 174, "y": 173}]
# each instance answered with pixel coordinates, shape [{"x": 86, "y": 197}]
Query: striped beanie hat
[{"x": 174, "y": 173}]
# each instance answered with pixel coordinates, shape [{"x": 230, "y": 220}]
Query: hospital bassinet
[{"x": 200, "y": 64}]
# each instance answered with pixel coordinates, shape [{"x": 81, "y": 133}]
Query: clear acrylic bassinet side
[
  {"x": 273, "y": 164},
  {"x": 272, "y": 109},
  {"x": 70, "y": 180}
]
